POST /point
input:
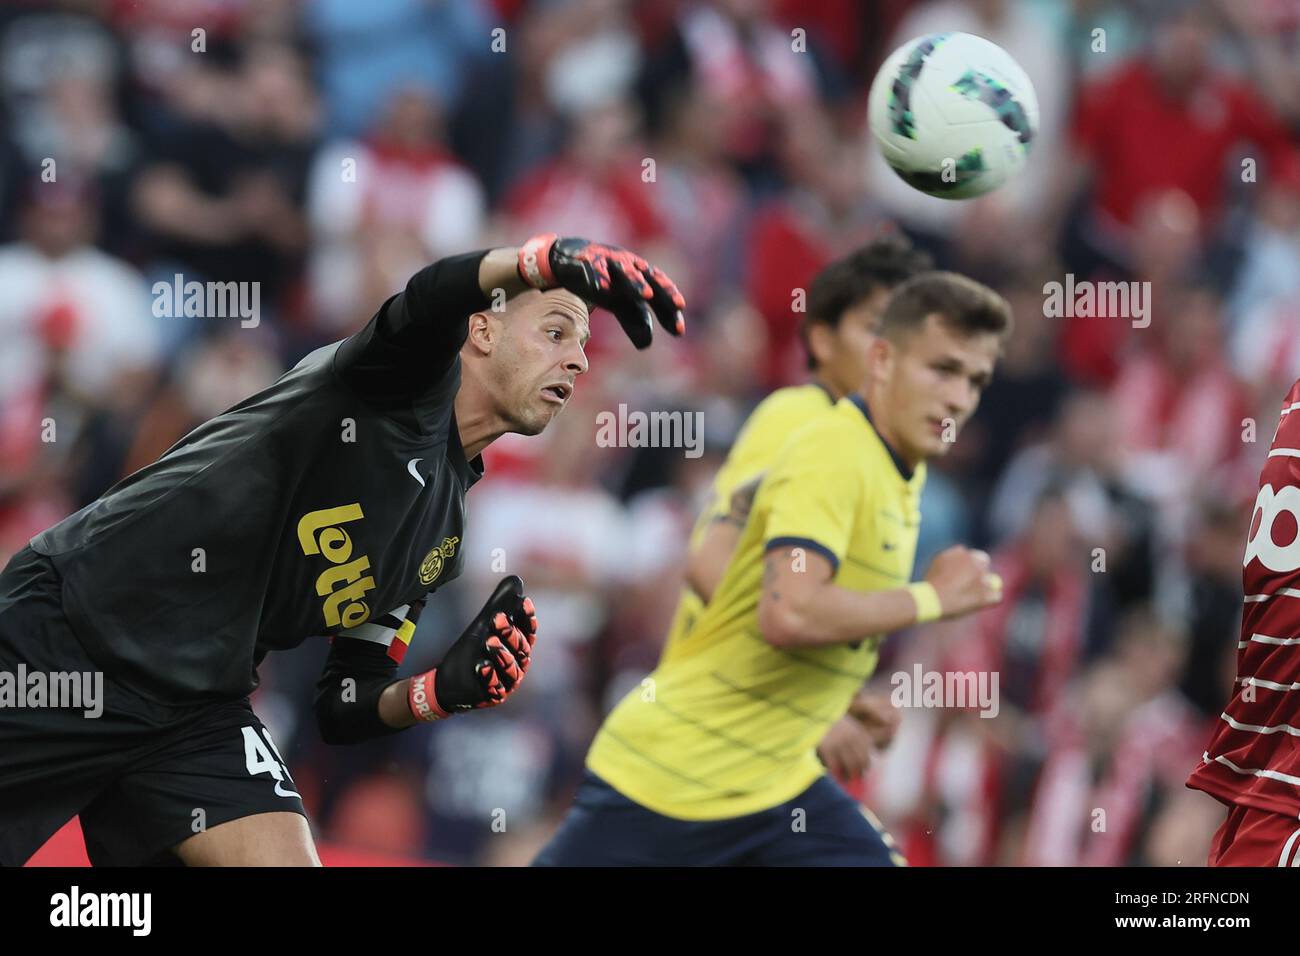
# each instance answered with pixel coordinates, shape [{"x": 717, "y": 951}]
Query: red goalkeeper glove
[
  {"x": 608, "y": 277},
  {"x": 487, "y": 662}
]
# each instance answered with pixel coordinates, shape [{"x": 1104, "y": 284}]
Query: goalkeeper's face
[
  {"x": 537, "y": 354},
  {"x": 931, "y": 380}
]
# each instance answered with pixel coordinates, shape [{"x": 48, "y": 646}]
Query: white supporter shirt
[{"x": 115, "y": 328}]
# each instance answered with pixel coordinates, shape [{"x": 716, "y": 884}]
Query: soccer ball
[{"x": 954, "y": 115}]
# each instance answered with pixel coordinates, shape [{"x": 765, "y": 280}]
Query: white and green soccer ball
[{"x": 953, "y": 114}]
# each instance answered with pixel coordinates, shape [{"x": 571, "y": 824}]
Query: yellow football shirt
[
  {"x": 768, "y": 427},
  {"x": 729, "y": 725}
]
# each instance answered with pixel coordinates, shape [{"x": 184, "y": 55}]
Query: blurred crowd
[{"x": 327, "y": 149}]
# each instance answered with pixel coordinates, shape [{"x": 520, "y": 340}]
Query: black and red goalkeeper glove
[
  {"x": 608, "y": 277},
  {"x": 487, "y": 662}
]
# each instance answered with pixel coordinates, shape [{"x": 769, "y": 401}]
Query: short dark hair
[
  {"x": 846, "y": 282},
  {"x": 964, "y": 305}
]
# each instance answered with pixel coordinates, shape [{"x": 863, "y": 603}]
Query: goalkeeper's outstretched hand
[
  {"x": 608, "y": 277},
  {"x": 487, "y": 662}
]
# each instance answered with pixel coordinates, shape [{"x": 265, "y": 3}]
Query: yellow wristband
[{"x": 926, "y": 597}]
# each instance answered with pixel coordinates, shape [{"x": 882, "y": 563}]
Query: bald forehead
[{"x": 556, "y": 302}]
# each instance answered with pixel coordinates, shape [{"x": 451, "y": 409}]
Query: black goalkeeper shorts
[{"x": 143, "y": 776}]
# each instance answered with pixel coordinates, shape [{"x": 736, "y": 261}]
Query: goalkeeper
[
  {"x": 711, "y": 761},
  {"x": 331, "y": 503}
]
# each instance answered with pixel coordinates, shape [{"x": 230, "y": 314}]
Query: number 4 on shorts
[{"x": 260, "y": 759}]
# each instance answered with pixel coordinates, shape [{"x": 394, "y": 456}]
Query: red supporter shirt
[
  {"x": 613, "y": 204},
  {"x": 1253, "y": 759},
  {"x": 1143, "y": 141},
  {"x": 783, "y": 256}
]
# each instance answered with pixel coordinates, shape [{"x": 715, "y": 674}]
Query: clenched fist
[
  {"x": 963, "y": 581},
  {"x": 847, "y": 749}
]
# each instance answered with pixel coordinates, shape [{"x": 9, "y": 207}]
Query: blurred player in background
[
  {"x": 845, "y": 302},
  {"x": 711, "y": 761},
  {"x": 1252, "y": 763},
  {"x": 336, "y": 492}
]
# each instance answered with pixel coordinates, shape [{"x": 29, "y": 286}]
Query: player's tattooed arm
[
  {"x": 742, "y": 501},
  {"x": 707, "y": 562},
  {"x": 769, "y": 578},
  {"x": 801, "y": 606}
]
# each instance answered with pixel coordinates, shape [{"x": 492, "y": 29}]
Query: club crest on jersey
[
  {"x": 342, "y": 585},
  {"x": 431, "y": 566}
]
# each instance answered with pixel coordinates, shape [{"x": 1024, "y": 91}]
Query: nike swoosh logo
[
  {"x": 281, "y": 792},
  {"x": 888, "y": 546},
  {"x": 410, "y": 466}
]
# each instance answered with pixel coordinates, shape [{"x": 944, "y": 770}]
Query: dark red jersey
[{"x": 1253, "y": 759}]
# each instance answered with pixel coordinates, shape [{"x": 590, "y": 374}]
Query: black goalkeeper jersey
[{"x": 334, "y": 495}]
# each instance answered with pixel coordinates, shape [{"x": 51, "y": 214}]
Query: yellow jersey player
[
  {"x": 844, "y": 303},
  {"x": 711, "y": 761}
]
